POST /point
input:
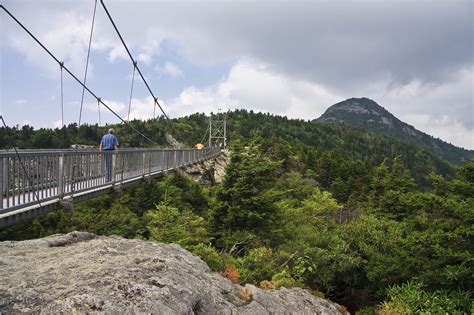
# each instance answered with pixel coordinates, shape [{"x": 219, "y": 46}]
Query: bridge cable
[
  {"x": 98, "y": 108},
  {"x": 204, "y": 137},
  {"x": 87, "y": 63},
  {"x": 75, "y": 77},
  {"x": 12, "y": 143},
  {"x": 131, "y": 90},
  {"x": 133, "y": 60},
  {"x": 61, "y": 64}
]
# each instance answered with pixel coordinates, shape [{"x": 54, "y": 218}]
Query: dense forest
[{"x": 373, "y": 223}]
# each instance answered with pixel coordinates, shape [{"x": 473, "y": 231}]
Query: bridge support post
[
  {"x": 118, "y": 187},
  {"x": 4, "y": 178}
]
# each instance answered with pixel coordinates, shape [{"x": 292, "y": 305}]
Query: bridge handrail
[
  {"x": 52, "y": 174},
  {"x": 83, "y": 150}
]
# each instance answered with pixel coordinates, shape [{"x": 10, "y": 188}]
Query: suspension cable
[
  {"x": 204, "y": 137},
  {"x": 62, "y": 95},
  {"x": 133, "y": 60},
  {"x": 75, "y": 77},
  {"x": 12, "y": 143},
  {"x": 98, "y": 109},
  {"x": 87, "y": 62},
  {"x": 61, "y": 65},
  {"x": 131, "y": 90}
]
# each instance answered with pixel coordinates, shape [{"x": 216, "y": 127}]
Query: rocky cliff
[
  {"x": 208, "y": 172},
  {"x": 80, "y": 272}
]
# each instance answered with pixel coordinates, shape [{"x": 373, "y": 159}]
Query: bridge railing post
[
  {"x": 61, "y": 175},
  {"x": 2, "y": 180},
  {"x": 114, "y": 166},
  {"x": 162, "y": 164},
  {"x": 143, "y": 163},
  {"x": 150, "y": 160}
]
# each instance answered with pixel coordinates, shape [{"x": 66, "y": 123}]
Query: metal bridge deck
[{"x": 43, "y": 180}]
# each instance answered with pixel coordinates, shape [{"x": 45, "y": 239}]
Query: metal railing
[{"x": 52, "y": 174}]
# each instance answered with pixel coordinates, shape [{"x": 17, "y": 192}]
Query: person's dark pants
[{"x": 108, "y": 156}]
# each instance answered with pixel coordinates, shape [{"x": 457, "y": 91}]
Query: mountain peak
[
  {"x": 359, "y": 106},
  {"x": 369, "y": 115}
]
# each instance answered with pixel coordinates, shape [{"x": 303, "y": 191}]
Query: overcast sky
[{"x": 293, "y": 58}]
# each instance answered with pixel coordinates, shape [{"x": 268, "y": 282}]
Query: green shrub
[
  {"x": 284, "y": 279},
  {"x": 412, "y": 298},
  {"x": 216, "y": 261},
  {"x": 257, "y": 265},
  {"x": 167, "y": 224},
  {"x": 366, "y": 311}
]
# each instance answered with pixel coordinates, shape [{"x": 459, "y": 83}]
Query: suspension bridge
[{"x": 33, "y": 182}]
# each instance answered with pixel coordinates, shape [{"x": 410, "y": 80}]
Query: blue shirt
[{"x": 109, "y": 141}]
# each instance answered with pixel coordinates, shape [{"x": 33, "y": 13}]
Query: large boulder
[{"x": 80, "y": 272}]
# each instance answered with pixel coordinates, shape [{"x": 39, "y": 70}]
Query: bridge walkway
[{"x": 42, "y": 180}]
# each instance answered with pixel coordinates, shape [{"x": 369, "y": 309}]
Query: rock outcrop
[
  {"x": 80, "y": 272},
  {"x": 172, "y": 142},
  {"x": 209, "y": 172}
]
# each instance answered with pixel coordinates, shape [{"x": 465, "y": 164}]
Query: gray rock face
[
  {"x": 208, "y": 172},
  {"x": 172, "y": 142},
  {"x": 83, "y": 273}
]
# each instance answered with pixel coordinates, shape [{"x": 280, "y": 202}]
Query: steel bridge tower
[{"x": 218, "y": 130}]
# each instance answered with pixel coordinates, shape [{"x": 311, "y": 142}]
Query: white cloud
[
  {"x": 21, "y": 102},
  {"x": 117, "y": 53},
  {"x": 142, "y": 108},
  {"x": 146, "y": 59},
  {"x": 65, "y": 35},
  {"x": 170, "y": 69},
  {"x": 57, "y": 124},
  {"x": 252, "y": 86},
  {"x": 116, "y": 106},
  {"x": 446, "y": 128},
  {"x": 443, "y": 110}
]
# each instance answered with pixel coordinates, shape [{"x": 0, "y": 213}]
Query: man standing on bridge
[{"x": 109, "y": 144}]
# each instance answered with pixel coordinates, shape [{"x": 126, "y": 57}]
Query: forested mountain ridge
[
  {"x": 338, "y": 143},
  {"x": 369, "y": 115}
]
